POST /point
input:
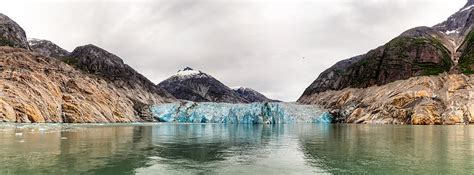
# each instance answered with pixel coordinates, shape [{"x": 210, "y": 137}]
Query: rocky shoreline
[{"x": 425, "y": 100}]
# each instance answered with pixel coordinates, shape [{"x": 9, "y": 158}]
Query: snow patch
[
  {"x": 449, "y": 32},
  {"x": 187, "y": 72},
  {"x": 467, "y": 8}
]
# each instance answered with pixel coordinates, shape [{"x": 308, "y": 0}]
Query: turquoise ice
[{"x": 254, "y": 113}]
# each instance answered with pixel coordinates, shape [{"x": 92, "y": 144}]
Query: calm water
[{"x": 235, "y": 149}]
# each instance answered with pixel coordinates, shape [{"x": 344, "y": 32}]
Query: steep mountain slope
[
  {"x": 252, "y": 95},
  {"x": 197, "y": 86},
  {"x": 466, "y": 50},
  {"x": 47, "y": 48},
  {"x": 458, "y": 25},
  {"x": 106, "y": 65},
  {"x": 399, "y": 68},
  {"x": 35, "y": 88},
  {"x": 416, "y": 52},
  {"x": 97, "y": 88}
]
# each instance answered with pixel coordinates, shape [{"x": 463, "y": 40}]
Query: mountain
[
  {"x": 416, "y": 52},
  {"x": 252, "y": 95},
  {"x": 47, "y": 48},
  {"x": 11, "y": 34},
  {"x": 95, "y": 85},
  {"x": 411, "y": 79},
  {"x": 197, "y": 86},
  {"x": 97, "y": 61},
  {"x": 458, "y": 25},
  {"x": 419, "y": 51}
]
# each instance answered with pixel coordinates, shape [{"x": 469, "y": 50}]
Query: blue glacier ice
[{"x": 254, "y": 113}]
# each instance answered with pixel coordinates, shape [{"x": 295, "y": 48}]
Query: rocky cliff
[
  {"x": 444, "y": 99},
  {"x": 408, "y": 80}
]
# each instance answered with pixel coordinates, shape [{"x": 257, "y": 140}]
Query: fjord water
[{"x": 302, "y": 148}]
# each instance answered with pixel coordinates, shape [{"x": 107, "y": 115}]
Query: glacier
[{"x": 254, "y": 113}]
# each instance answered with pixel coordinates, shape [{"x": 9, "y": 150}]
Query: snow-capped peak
[{"x": 187, "y": 72}]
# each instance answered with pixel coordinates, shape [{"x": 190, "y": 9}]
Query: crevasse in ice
[{"x": 191, "y": 112}]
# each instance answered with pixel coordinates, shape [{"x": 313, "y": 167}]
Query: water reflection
[
  {"x": 73, "y": 150},
  {"x": 218, "y": 148},
  {"x": 382, "y": 149},
  {"x": 230, "y": 149}
]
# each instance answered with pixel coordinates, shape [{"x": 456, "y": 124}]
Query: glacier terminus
[{"x": 253, "y": 113}]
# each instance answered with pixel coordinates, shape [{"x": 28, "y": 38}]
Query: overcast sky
[{"x": 277, "y": 47}]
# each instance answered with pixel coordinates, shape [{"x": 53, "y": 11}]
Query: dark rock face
[
  {"x": 197, "y": 86},
  {"x": 47, "y": 48},
  {"x": 331, "y": 78},
  {"x": 401, "y": 58},
  {"x": 252, "y": 95},
  {"x": 11, "y": 34},
  {"x": 97, "y": 61},
  {"x": 469, "y": 3}
]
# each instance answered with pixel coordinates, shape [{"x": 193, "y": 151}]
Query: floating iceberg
[{"x": 254, "y": 113}]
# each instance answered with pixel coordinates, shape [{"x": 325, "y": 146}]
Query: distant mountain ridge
[
  {"x": 252, "y": 95},
  {"x": 47, "y": 48},
  {"x": 192, "y": 85}
]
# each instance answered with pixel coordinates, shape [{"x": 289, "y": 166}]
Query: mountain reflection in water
[{"x": 234, "y": 149}]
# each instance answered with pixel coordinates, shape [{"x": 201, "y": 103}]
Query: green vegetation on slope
[
  {"x": 6, "y": 42},
  {"x": 466, "y": 62},
  {"x": 402, "y": 46},
  {"x": 69, "y": 60}
]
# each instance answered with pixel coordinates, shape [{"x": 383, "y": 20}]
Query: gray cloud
[{"x": 252, "y": 43}]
